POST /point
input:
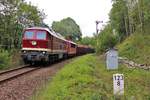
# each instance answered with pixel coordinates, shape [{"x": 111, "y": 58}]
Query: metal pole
[
  {"x": 97, "y": 22},
  {"x": 97, "y": 30}
]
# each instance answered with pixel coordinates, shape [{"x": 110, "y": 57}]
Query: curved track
[{"x": 14, "y": 73}]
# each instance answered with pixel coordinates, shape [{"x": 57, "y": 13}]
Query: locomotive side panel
[
  {"x": 50, "y": 42},
  {"x": 82, "y": 49},
  {"x": 59, "y": 45},
  {"x": 71, "y": 49}
]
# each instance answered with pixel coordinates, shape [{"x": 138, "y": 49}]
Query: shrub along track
[{"x": 22, "y": 83}]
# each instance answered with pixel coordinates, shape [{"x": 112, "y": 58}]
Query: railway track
[{"x": 14, "y": 73}]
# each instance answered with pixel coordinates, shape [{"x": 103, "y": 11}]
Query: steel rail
[
  {"x": 10, "y": 70},
  {"x": 4, "y": 76}
]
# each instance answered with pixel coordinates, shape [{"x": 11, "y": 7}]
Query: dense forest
[{"x": 126, "y": 18}]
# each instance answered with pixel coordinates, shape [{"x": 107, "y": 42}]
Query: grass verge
[
  {"x": 86, "y": 78},
  {"x": 136, "y": 48}
]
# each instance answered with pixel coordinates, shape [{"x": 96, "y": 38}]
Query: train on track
[{"x": 44, "y": 45}]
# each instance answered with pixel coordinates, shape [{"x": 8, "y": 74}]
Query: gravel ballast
[{"x": 23, "y": 87}]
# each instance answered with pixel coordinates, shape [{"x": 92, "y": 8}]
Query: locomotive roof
[{"x": 57, "y": 35}]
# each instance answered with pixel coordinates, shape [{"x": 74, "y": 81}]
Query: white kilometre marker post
[{"x": 118, "y": 84}]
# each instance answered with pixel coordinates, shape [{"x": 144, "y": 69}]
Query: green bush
[
  {"x": 106, "y": 40},
  {"x": 5, "y": 59}
]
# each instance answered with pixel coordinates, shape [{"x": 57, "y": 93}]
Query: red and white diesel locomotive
[{"x": 44, "y": 45}]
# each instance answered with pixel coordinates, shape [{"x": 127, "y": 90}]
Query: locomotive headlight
[
  {"x": 43, "y": 52},
  {"x": 34, "y": 43},
  {"x": 23, "y": 51}
]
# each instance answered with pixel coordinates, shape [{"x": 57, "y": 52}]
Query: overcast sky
[{"x": 84, "y": 12}]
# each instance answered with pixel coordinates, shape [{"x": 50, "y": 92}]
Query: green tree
[
  {"x": 106, "y": 39},
  {"x": 14, "y": 16},
  {"x": 88, "y": 41},
  {"x": 119, "y": 19},
  {"x": 126, "y": 17},
  {"x": 68, "y": 28},
  {"x": 29, "y": 15}
]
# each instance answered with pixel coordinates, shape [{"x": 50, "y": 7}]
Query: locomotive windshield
[
  {"x": 35, "y": 35},
  {"x": 41, "y": 35},
  {"x": 29, "y": 34}
]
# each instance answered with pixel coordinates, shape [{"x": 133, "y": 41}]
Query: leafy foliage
[
  {"x": 5, "y": 59},
  {"x": 14, "y": 16},
  {"x": 118, "y": 18},
  {"x": 68, "y": 28},
  {"x": 88, "y": 41},
  {"x": 126, "y": 17},
  {"x": 106, "y": 39}
]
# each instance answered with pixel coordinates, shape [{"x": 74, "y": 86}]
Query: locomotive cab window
[
  {"x": 73, "y": 45},
  {"x": 41, "y": 35},
  {"x": 29, "y": 35}
]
